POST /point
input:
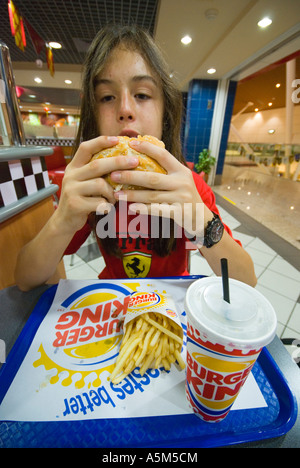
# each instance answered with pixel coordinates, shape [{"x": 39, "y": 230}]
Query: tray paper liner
[{"x": 64, "y": 375}]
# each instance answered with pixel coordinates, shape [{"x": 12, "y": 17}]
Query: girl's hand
[
  {"x": 83, "y": 188},
  {"x": 172, "y": 195}
]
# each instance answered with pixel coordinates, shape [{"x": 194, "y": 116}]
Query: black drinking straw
[{"x": 225, "y": 280}]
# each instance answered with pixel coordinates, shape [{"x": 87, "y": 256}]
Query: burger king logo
[{"x": 86, "y": 335}]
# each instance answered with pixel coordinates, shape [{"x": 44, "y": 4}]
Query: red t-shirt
[{"x": 139, "y": 259}]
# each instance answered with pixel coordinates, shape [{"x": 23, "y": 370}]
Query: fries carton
[
  {"x": 153, "y": 335},
  {"x": 144, "y": 302}
]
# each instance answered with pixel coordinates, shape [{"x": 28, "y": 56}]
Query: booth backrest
[{"x": 56, "y": 160}]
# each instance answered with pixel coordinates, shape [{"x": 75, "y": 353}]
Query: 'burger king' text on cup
[{"x": 223, "y": 342}]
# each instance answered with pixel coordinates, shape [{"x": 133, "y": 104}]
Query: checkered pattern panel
[
  {"x": 22, "y": 177},
  {"x": 50, "y": 141}
]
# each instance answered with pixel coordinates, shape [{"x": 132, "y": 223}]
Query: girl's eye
[
  {"x": 106, "y": 98},
  {"x": 142, "y": 96}
]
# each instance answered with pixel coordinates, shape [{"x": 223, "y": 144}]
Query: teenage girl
[{"x": 127, "y": 91}]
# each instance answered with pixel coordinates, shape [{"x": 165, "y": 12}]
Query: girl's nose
[
  {"x": 126, "y": 117},
  {"x": 126, "y": 110}
]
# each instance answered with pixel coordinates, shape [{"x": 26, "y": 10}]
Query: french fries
[{"x": 151, "y": 340}]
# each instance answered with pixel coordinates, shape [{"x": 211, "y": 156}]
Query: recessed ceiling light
[
  {"x": 278, "y": 85},
  {"x": 32, "y": 95},
  {"x": 211, "y": 13},
  {"x": 55, "y": 45},
  {"x": 37, "y": 79},
  {"x": 211, "y": 71},
  {"x": 263, "y": 23},
  {"x": 270, "y": 104},
  {"x": 68, "y": 81},
  {"x": 186, "y": 40},
  {"x": 62, "y": 109},
  {"x": 256, "y": 109},
  {"x": 271, "y": 131},
  {"x": 47, "y": 103}
]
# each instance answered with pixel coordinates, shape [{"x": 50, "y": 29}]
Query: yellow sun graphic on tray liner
[{"x": 108, "y": 346}]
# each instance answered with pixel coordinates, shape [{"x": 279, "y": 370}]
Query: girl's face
[{"x": 129, "y": 97}]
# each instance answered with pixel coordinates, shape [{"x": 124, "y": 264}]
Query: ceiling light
[
  {"x": 211, "y": 13},
  {"x": 39, "y": 63},
  {"x": 37, "y": 79},
  {"x": 211, "y": 71},
  {"x": 278, "y": 85},
  {"x": 62, "y": 109},
  {"x": 68, "y": 81},
  {"x": 186, "y": 40},
  {"x": 47, "y": 103},
  {"x": 263, "y": 23},
  {"x": 271, "y": 131},
  {"x": 256, "y": 109},
  {"x": 32, "y": 95},
  {"x": 55, "y": 45},
  {"x": 270, "y": 104}
]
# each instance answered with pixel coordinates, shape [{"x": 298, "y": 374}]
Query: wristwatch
[{"x": 213, "y": 232}]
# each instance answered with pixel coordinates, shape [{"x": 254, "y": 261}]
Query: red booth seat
[{"x": 56, "y": 165}]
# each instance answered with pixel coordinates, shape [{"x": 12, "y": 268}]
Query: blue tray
[{"x": 181, "y": 431}]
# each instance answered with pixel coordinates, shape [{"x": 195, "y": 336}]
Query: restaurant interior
[
  {"x": 226, "y": 44},
  {"x": 237, "y": 65}
]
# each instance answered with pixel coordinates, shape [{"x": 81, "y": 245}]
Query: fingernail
[
  {"x": 116, "y": 176},
  {"x": 135, "y": 143},
  {"x": 113, "y": 139},
  {"x": 133, "y": 160}
]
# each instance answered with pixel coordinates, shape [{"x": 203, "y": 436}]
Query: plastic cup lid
[{"x": 248, "y": 321}]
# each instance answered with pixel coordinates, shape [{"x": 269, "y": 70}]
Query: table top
[{"x": 16, "y": 307}]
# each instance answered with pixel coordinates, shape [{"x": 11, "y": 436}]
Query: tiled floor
[
  {"x": 278, "y": 279},
  {"x": 272, "y": 201}
]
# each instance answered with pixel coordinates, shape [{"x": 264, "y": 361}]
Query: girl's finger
[
  {"x": 95, "y": 188},
  {"x": 147, "y": 196},
  {"x": 86, "y": 149},
  {"x": 101, "y": 167},
  {"x": 150, "y": 180},
  {"x": 161, "y": 155}
]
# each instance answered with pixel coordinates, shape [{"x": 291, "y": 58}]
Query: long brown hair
[{"x": 137, "y": 39}]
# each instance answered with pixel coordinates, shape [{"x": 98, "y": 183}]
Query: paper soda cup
[{"x": 223, "y": 342}]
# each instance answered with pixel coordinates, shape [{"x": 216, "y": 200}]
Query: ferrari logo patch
[{"x": 137, "y": 264}]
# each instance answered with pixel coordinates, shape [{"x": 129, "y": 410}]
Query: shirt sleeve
[{"x": 79, "y": 238}]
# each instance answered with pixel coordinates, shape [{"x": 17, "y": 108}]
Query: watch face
[{"x": 216, "y": 231}]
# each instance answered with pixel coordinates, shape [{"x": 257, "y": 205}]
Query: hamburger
[{"x": 145, "y": 162}]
